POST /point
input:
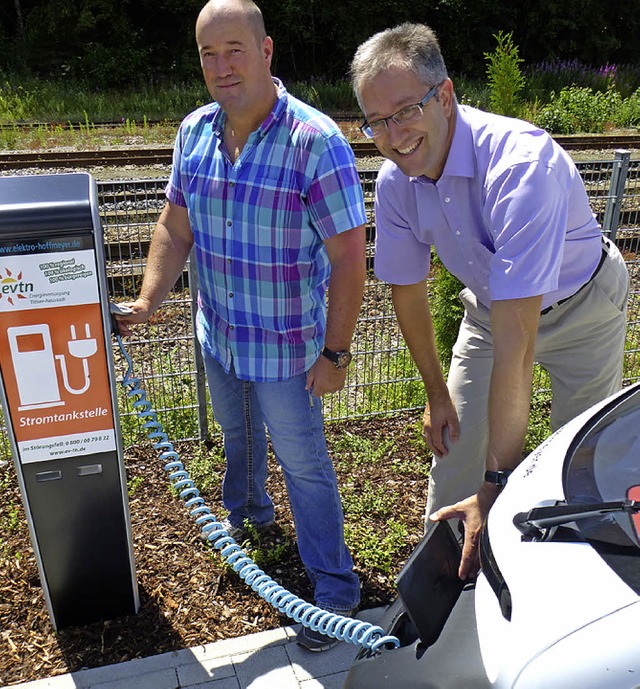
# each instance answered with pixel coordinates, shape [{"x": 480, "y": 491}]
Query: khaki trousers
[{"x": 581, "y": 345}]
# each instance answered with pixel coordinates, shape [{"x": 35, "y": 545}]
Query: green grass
[
  {"x": 357, "y": 450},
  {"x": 368, "y": 501},
  {"x": 206, "y": 466},
  {"x": 36, "y": 100},
  {"x": 372, "y": 551},
  {"x": 65, "y": 101},
  {"x": 87, "y": 136},
  {"x": 360, "y": 501},
  {"x": 263, "y": 553},
  {"x": 133, "y": 484},
  {"x": 562, "y": 107}
]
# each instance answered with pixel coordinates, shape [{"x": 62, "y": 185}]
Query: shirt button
[
  {"x": 447, "y": 199},
  {"x": 232, "y": 327},
  {"x": 484, "y": 287},
  {"x": 232, "y": 184},
  {"x": 470, "y": 263},
  {"x": 458, "y": 233},
  {"x": 228, "y": 223},
  {"x": 230, "y": 294}
]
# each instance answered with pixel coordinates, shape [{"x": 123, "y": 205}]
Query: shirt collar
[
  {"x": 461, "y": 156},
  {"x": 460, "y": 161}
]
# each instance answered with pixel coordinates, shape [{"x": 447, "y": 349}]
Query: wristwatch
[
  {"x": 340, "y": 359},
  {"x": 497, "y": 478}
]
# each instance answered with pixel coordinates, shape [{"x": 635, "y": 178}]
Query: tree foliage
[
  {"x": 504, "y": 75},
  {"x": 123, "y": 42}
]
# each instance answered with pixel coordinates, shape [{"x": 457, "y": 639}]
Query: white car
[{"x": 558, "y": 594}]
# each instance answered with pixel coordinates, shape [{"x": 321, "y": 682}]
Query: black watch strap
[
  {"x": 497, "y": 478},
  {"x": 340, "y": 359}
]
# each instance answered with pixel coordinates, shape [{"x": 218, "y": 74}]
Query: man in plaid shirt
[{"x": 266, "y": 190}]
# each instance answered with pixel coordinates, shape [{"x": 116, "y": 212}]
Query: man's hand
[
  {"x": 473, "y": 513},
  {"x": 440, "y": 417},
  {"x": 139, "y": 312},
  {"x": 325, "y": 377}
]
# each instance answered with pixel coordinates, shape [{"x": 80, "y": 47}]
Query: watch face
[{"x": 344, "y": 359}]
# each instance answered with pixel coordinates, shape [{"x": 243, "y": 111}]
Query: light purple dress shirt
[{"x": 509, "y": 216}]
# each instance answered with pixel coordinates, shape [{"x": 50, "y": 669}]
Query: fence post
[
  {"x": 616, "y": 194},
  {"x": 201, "y": 379}
]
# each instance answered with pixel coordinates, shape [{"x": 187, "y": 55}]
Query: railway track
[
  {"x": 108, "y": 157},
  {"x": 162, "y": 155}
]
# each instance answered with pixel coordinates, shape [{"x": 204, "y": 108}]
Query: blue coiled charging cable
[{"x": 364, "y": 634}]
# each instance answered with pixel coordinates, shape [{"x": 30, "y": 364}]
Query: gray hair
[{"x": 408, "y": 46}]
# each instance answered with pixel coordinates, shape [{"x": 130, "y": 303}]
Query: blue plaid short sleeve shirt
[{"x": 259, "y": 227}]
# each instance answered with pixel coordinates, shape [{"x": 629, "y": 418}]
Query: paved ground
[{"x": 268, "y": 660}]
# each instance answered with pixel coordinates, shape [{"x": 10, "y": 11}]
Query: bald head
[
  {"x": 246, "y": 10},
  {"x": 235, "y": 55}
]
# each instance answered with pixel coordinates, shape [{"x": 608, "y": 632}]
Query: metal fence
[{"x": 383, "y": 379}]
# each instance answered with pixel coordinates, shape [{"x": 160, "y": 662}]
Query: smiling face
[
  {"x": 235, "y": 61},
  {"x": 420, "y": 147}
]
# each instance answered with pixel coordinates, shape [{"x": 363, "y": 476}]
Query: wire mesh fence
[
  {"x": 627, "y": 237},
  {"x": 382, "y": 380}
]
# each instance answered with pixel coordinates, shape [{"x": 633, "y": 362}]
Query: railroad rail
[
  {"x": 163, "y": 154},
  {"x": 108, "y": 157}
]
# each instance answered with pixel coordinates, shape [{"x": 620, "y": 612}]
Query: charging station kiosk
[{"x": 58, "y": 395}]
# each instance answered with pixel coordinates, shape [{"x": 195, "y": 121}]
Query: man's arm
[
  {"x": 346, "y": 286},
  {"x": 170, "y": 246},
  {"x": 411, "y": 304},
  {"x": 514, "y": 327}
]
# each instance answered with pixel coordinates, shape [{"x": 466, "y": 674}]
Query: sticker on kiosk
[{"x": 52, "y": 355}]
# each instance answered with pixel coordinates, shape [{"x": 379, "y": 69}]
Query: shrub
[
  {"x": 505, "y": 78},
  {"x": 446, "y": 309},
  {"x": 546, "y": 77},
  {"x": 629, "y": 111},
  {"x": 579, "y": 109}
]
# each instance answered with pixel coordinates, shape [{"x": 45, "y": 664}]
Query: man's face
[
  {"x": 235, "y": 65},
  {"x": 419, "y": 147}
]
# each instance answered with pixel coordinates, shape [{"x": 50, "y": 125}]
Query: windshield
[{"x": 603, "y": 464}]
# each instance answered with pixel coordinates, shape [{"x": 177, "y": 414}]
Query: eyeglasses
[{"x": 401, "y": 118}]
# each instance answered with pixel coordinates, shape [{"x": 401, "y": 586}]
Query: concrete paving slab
[
  {"x": 243, "y": 644},
  {"x": 206, "y": 670},
  {"x": 265, "y": 669},
  {"x": 226, "y": 683},
  {"x": 309, "y": 665},
  {"x": 330, "y": 682},
  {"x": 161, "y": 679},
  {"x": 265, "y": 660}
]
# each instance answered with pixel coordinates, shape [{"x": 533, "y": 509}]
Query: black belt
[{"x": 603, "y": 255}]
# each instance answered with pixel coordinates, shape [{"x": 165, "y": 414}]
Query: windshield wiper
[{"x": 536, "y": 523}]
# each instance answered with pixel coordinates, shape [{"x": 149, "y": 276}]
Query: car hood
[{"x": 531, "y": 595}]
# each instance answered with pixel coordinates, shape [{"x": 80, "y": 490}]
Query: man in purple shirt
[
  {"x": 506, "y": 211},
  {"x": 266, "y": 190}
]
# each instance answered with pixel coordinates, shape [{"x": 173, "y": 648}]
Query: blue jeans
[{"x": 293, "y": 418}]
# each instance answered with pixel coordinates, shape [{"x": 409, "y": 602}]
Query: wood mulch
[{"x": 187, "y": 596}]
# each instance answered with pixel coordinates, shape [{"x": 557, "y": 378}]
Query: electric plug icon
[
  {"x": 82, "y": 348},
  {"x": 79, "y": 348}
]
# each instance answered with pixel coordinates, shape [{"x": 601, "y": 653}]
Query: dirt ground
[{"x": 187, "y": 596}]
